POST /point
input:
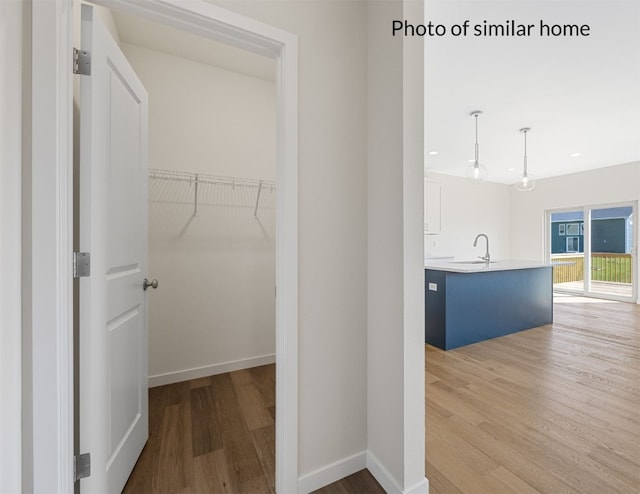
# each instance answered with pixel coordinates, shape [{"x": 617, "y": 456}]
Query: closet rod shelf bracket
[
  {"x": 195, "y": 195},
  {"x": 255, "y": 210}
]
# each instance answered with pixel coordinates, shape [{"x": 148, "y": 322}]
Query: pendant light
[
  {"x": 528, "y": 181},
  {"x": 476, "y": 172}
]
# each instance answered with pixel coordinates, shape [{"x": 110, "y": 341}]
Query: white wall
[
  {"x": 395, "y": 332},
  {"x": 468, "y": 209},
  {"x": 601, "y": 186},
  {"x": 385, "y": 231},
  {"x": 10, "y": 245},
  {"x": 215, "y": 303},
  {"x": 332, "y": 224}
]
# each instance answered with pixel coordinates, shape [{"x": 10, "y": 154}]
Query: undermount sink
[{"x": 472, "y": 262}]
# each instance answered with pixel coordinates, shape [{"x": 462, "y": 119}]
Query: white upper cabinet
[{"x": 432, "y": 207}]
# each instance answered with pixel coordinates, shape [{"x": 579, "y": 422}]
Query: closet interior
[{"x": 211, "y": 201}]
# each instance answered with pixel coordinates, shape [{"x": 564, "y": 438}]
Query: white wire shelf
[{"x": 197, "y": 179}]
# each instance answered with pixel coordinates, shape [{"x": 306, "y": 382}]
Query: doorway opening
[
  {"x": 212, "y": 224},
  {"x": 207, "y": 202}
]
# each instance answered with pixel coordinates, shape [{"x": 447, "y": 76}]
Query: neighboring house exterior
[{"x": 612, "y": 231}]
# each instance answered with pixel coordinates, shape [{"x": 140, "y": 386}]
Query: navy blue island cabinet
[{"x": 468, "y": 306}]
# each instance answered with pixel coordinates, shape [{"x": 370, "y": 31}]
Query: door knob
[{"x": 153, "y": 284}]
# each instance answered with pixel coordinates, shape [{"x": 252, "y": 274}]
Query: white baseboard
[
  {"x": 352, "y": 464},
  {"x": 210, "y": 370},
  {"x": 329, "y": 474},
  {"x": 388, "y": 483},
  {"x": 421, "y": 487}
]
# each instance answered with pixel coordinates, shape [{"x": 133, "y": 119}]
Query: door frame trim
[
  {"x": 51, "y": 199},
  {"x": 47, "y": 268},
  {"x": 11, "y": 94}
]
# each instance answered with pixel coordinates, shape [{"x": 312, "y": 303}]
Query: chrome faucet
[{"x": 487, "y": 257}]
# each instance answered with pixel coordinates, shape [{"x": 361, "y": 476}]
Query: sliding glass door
[
  {"x": 593, "y": 250},
  {"x": 611, "y": 243}
]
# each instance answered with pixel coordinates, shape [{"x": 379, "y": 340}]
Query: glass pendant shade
[
  {"x": 476, "y": 172},
  {"x": 528, "y": 181}
]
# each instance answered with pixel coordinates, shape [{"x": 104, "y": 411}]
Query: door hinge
[
  {"x": 81, "y": 264},
  {"x": 81, "y": 62},
  {"x": 81, "y": 466}
]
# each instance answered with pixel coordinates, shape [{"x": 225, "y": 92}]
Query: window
[{"x": 573, "y": 244}]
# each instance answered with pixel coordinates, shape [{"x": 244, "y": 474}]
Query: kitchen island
[{"x": 471, "y": 301}]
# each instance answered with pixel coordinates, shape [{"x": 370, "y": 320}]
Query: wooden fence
[
  {"x": 616, "y": 268},
  {"x": 567, "y": 268}
]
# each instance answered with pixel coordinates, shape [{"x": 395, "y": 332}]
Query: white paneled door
[{"x": 113, "y": 413}]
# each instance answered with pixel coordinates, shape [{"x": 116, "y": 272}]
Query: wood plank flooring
[
  {"x": 554, "y": 409},
  {"x": 361, "y": 482},
  {"x": 210, "y": 435},
  {"x": 550, "y": 410},
  {"x": 217, "y": 435}
]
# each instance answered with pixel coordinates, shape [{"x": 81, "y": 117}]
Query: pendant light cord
[
  {"x": 477, "y": 152},
  {"x": 527, "y": 182},
  {"x": 476, "y": 172},
  {"x": 525, "y": 153}
]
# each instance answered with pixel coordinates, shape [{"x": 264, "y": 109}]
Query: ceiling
[
  {"x": 137, "y": 31},
  {"x": 578, "y": 95}
]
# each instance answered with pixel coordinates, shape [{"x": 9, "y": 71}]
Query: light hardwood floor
[
  {"x": 550, "y": 410},
  {"x": 554, "y": 409}
]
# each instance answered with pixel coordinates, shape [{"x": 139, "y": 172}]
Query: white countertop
[{"x": 475, "y": 266}]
